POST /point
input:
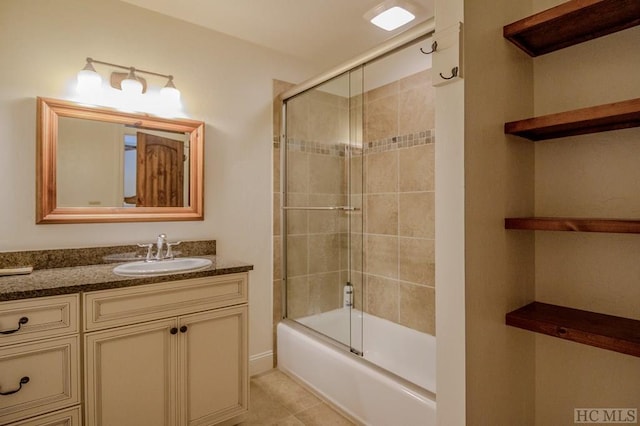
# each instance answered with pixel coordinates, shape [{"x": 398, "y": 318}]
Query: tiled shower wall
[
  {"x": 396, "y": 224},
  {"x": 317, "y": 134},
  {"x": 399, "y": 225}
]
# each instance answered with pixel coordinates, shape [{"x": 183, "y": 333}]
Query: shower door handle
[{"x": 341, "y": 208}]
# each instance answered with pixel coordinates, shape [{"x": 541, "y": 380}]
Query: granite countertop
[{"x": 74, "y": 279}]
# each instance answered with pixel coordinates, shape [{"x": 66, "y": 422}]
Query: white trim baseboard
[{"x": 259, "y": 363}]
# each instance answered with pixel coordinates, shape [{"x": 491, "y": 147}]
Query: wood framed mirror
[{"x": 98, "y": 165}]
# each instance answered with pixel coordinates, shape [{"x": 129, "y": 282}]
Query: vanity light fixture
[
  {"x": 89, "y": 82},
  {"x": 391, "y": 14}
]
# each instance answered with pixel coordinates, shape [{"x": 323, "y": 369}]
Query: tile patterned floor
[{"x": 275, "y": 399}]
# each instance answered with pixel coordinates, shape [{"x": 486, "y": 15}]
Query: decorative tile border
[
  {"x": 380, "y": 145},
  {"x": 335, "y": 149},
  {"x": 404, "y": 141}
]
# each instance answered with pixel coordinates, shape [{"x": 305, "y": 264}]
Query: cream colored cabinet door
[
  {"x": 213, "y": 366},
  {"x": 130, "y": 375}
]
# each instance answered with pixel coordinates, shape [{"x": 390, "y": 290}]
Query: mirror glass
[{"x": 103, "y": 165}]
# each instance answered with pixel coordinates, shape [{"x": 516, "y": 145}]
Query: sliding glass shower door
[{"x": 322, "y": 208}]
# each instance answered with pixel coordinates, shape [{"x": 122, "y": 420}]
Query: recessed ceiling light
[{"x": 391, "y": 15}]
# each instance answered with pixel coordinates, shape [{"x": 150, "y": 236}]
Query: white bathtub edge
[{"x": 357, "y": 388}]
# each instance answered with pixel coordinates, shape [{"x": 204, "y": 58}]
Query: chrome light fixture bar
[{"x": 129, "y": 82}]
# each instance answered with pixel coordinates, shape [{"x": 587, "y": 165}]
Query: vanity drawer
[
  {"x": 39, "y": 377},
  {"x": 111, "y": 308},
  {"x": 68, "y": 417},
  {"x": 31, "y": 319}
]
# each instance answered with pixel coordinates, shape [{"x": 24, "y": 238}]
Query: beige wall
[
  {"x": 499, "y": 179},
  {"x": 89, "y": 169},
  {"x": 225, "y": 82},
  {"x": 514, "y": 376},
  {"x": 587, "y": 176}
]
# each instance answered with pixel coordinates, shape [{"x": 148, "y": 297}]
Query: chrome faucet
[
  {"x": 162, "y": 241},
  {"x": 163, "y": 249}
]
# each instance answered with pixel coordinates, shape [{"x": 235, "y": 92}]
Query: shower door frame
[
  {"x": 420, "y": 31},
  {"x": 352, "y": 344}
]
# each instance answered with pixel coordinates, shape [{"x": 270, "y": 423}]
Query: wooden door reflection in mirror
[{"x": 103, "y": 165}]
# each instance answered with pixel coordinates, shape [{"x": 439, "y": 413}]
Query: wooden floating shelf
[
  {"x": 590, "y": 328},
  {"x": 570, "y": 23},
  {"x": 601, "y": 118},
  {"x": 618, "y": 226}
]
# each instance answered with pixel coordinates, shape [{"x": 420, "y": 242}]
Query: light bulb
[
  {"x": 88, "y": 80},
  {"x": 169, "y": 93},
  {"x": 130, "y": 85}
]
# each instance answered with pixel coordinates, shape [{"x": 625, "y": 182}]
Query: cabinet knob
[
  {"x": 23, "y": 381},
  {"x": 173, "y": 330},
  {"x": 183, "y": 329},
  {"x": 22, "y": 321}
]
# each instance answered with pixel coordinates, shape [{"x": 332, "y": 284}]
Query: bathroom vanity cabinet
[
  {"x": 40, "y": 362},
  {"x": 171, "y": 353},
  {"x": 167, "y": 354}
]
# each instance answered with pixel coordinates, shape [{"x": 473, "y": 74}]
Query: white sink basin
[{"x": 163, "y": 267}]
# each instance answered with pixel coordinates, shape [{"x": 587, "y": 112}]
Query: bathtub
[{"x": 392, "y": 384}]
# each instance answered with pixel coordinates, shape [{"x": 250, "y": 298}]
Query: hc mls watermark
[{"x": 605, "y": 415}]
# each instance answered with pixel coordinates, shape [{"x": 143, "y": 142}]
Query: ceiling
[{"x": 322, "y": 32}]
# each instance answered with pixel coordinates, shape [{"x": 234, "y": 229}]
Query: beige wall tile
[
  {"x": 327, "y": 221},
  {"x": 298, "y": 118},
  {"x": 297, "y": 220},
  {"x": 297, "y": 172},
  {"x": 277, "y": 301},
  {"x": 276, "y": 169},
  {"x": 326, "y": 174},
  {"x": 417, "y": 260},
  {"x": 381, "y": 92},
  {"x": 417, "y": 307},
  {"x": 297, "y": 297},
  {"x": 326, "y": 124},
  {"x": 398, "y": 184},
  {"x": 416, "y": 168},
  {"x": 382, "y": 297},
  {"x": 356, "y": 252},
  {"x": 382, "y": 214},
  {"x": 381, "y": 118},
  {"x": 417, "y": 214},
  {"x": 420, "y": 81},
  {"x": 356, "y": 175},
  {"x": 415, "y": 111},
  {"x": 276, "y": 213},
  {"x": 382, "y": 255},
  {"x": 297, "y": 255},
  {"x": 277, "y": 258},
  {"x": 325, "y": 292},
  {"x": 381, "y": 172},
  {"x": 324, "y": 253},
  {"x": 353, "y": 221}
]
